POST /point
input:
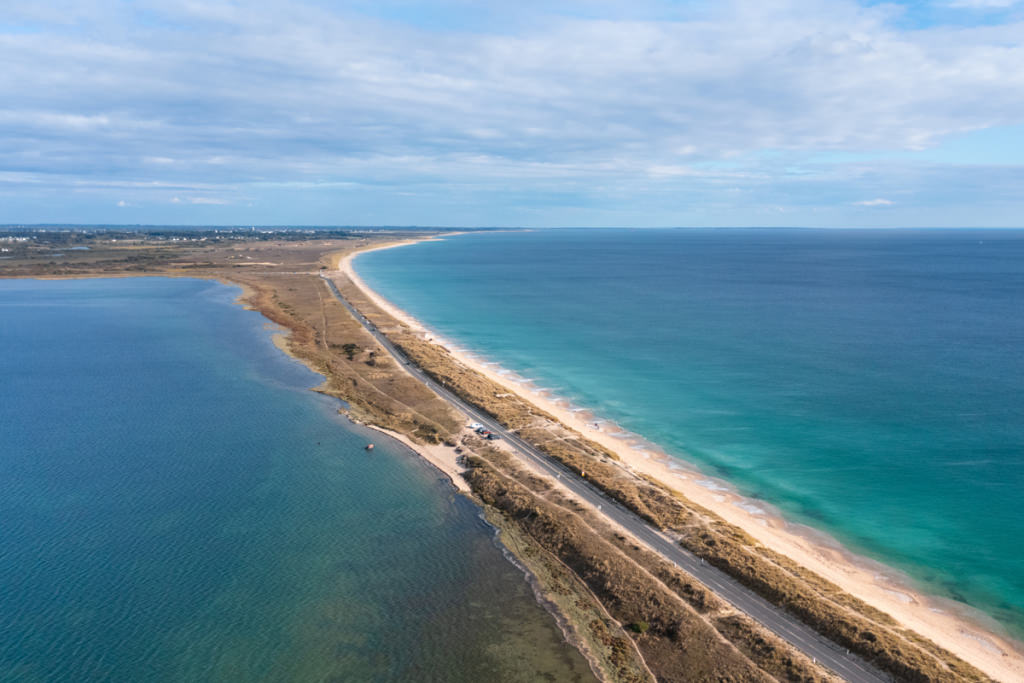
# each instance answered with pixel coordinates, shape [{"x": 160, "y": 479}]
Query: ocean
[
  {"x": 867, "y": 383},
  {"x": 176, "y": 505}
]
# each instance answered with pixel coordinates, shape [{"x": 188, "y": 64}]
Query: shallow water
[
  {"x": 175, "y": 505},
  {"x": 868, "y": 383}
]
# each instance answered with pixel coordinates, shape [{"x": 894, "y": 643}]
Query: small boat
[{"x": 369, "y": 446}]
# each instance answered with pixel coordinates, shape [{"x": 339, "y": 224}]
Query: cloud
[
  {"x": 208, "y": 200},
  {"x": 175, "y": 98},
  {"x": 875, "y": 202},
  {"x": 983, "y": 4},
  {"x": 671, "y": 170},
  {"x": 122, "y": 203}
]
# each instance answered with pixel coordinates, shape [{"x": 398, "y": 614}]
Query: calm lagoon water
[
  {"x": 175, "y": 505},
  {"x": 868, "y": 383}
]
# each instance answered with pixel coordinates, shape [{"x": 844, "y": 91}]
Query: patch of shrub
[{"x": 639, "y": 627}]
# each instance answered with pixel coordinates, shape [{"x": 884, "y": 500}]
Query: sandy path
[{"x": 942, "y": 621}]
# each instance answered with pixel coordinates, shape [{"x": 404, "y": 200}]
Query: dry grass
[
  {"x": 679, "y": 645},
  {"x": 357, "y": 370}
]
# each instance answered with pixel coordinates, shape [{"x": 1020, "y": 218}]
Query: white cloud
[
  {"x": 747, "y": 76},
  {"x": 983, "y": 4},
  {"x": 215, "y": 99},
  {"x": 208, "y": 200},
  {"x": 122, "y": 203},
  {"x": 875, "y": 202},
  {"x": 671, "y": 170}
]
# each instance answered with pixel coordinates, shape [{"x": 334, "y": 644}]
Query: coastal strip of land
[
  {"x": 837, "y": 659},
  {"x": 872, "y": 583},
  {"x": 636, "y": 615}
]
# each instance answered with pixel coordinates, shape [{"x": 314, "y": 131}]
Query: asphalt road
[{"x": 816, "y": 646}]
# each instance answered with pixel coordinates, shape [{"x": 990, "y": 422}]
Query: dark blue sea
[
  {"x": 175, "y": 505},
  {"x": 867, "y": 383}
]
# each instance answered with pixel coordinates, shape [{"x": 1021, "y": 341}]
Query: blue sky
[{"x": 465, "y": 112}]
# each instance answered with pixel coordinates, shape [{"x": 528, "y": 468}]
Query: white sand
[
  {"x": 440, "y": 456},
  {"x": 997, "y": 656}
]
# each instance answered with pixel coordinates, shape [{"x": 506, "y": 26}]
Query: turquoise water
[
  {"x": 175, "y": 505},
  {"x": 867, "y": 383}
]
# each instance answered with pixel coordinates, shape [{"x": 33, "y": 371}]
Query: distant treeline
[{"x": 65, "y": 234}]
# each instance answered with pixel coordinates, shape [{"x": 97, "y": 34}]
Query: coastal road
[{"x": 786, "y": 626}]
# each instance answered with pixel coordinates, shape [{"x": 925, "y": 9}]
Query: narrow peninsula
[{"x": 647, "y": 575}]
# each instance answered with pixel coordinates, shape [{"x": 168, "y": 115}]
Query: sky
[{"x": 830, "y": 113}]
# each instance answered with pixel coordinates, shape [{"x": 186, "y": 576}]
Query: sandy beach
[
  {"x": 948, "y": 624},
  {"x": 440, "y": 456}
]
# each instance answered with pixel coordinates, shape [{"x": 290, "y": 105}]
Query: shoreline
[
  {"x": 440, "y": 457},
  {"x": 944, "y": 621},
  {"x": 302, "y": 325}
]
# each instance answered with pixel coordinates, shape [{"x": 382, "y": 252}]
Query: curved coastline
[{"x": 955, "y": 626}]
